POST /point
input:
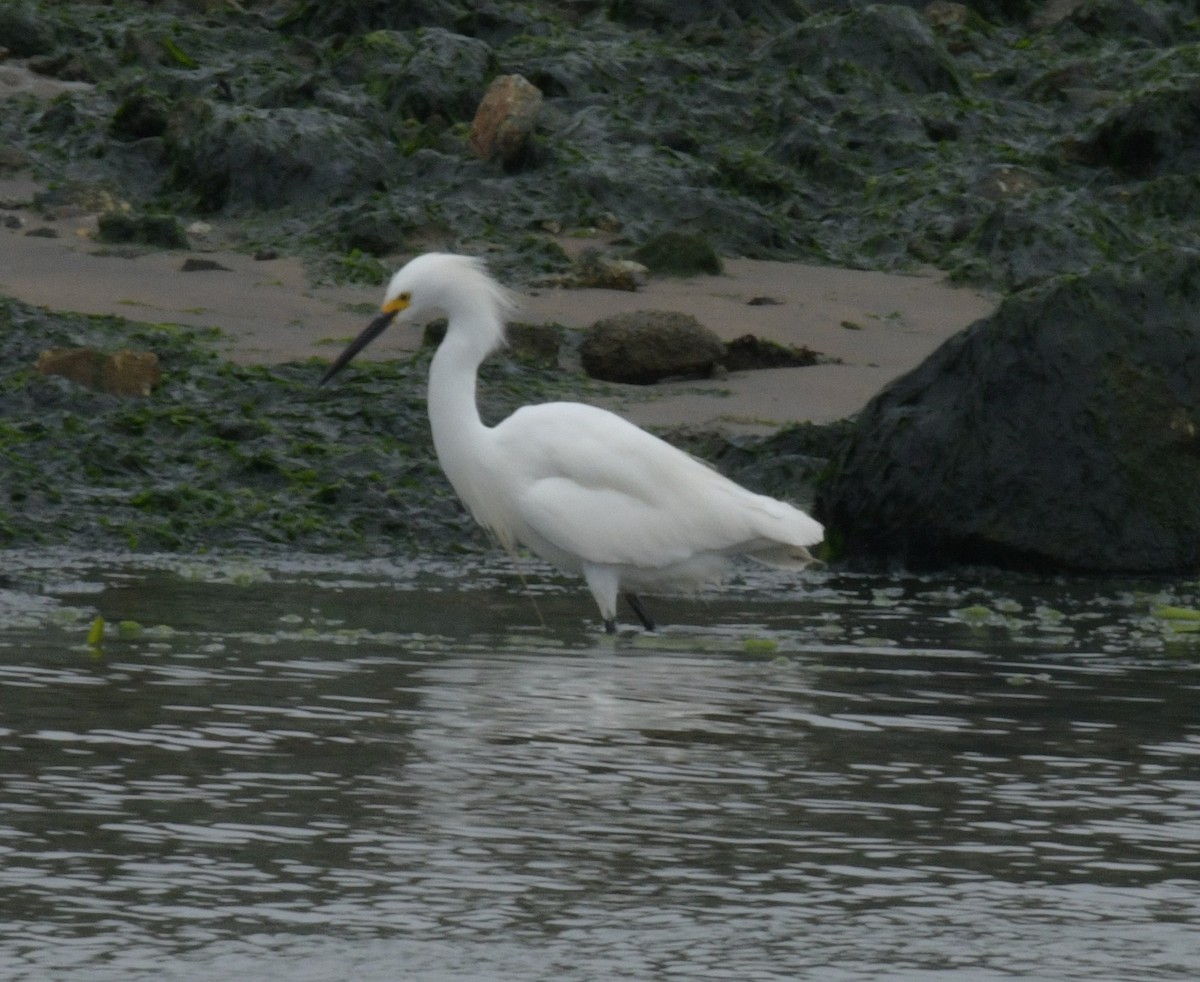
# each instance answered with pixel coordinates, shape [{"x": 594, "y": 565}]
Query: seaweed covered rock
[
  {"x": 320, "y": 18},
  {"x": 1156, "y": 132},
  {"x": 889, "y": 40},
  {"x": 163, "y": 231},
  {"x": 1062, "y": 432},
  {"x": 421, "y": 73},
  {"x": 645, "y": 346},
  {"x": 230, "y": 157},
  {"x": 679, "y": 254},
  {"x": 25, "y": 31}
]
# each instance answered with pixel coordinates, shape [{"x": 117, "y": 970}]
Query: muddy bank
[{"x": 866, "y": 326}]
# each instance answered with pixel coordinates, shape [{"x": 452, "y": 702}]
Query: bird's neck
[{"x": 459, "y": 435}]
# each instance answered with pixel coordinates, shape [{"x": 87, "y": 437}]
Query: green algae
[{"x": 227, "y": 457}]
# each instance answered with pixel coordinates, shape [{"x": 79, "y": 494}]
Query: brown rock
[
  {"x": 505, "y": 118},
  {"x": 126, "y": 373},
  {"x": 79, "y": 365},
  {"x": 130, "y": 373}
]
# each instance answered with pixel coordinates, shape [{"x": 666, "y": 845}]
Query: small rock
[
  {"x": 13, "y": 159},
  {"x": 595, "y": 270},
  {"x": 537, "y": 344},
  {"x": 1053, "y": 12},
  {"x": 125, "y": 373},
  {"x": 505, "y": 118},
  {"x": 156, "y": 230},
  {"x": 942, "y": 14},
  {"x": 140, "y": 116},
  {"x": 191, "y": 265},
  {"x": 143, "y": 48},
  {"x": 679, "y": 254},
  {"x": 647, "y": 346},
  {"x": 67, "y": 67},
  {"x": 76, "y": 198},
  {"x": 43, "y": 232},
  {"x": 1005, "y": 181},
  {"x": 13, "y": 221},
  {"x": 750, "y": 352}
]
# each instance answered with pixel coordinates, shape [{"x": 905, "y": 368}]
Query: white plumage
[{"x": 580, "y": 486}]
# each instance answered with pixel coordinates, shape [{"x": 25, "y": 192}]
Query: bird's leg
[
  {"x": 635, "y": 603},
  {"x": 602, "y": 581}
]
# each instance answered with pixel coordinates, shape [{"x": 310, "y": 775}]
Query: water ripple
[{"x": 288, "y": 771}]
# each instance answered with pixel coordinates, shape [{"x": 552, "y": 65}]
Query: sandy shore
[{"x": 877, "y": 326}]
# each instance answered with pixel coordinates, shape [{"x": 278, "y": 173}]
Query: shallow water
[{"x": 319, "y": 770}]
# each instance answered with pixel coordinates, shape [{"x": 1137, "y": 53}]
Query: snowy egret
[{"x": 581, "y": 487}]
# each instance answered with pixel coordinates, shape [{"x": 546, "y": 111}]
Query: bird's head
[{"x": 455, "y": 285}]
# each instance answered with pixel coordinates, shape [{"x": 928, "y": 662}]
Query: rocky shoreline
[
  {"x": 1012, "y": 145},
  {"x": 1003, "y": 142}
]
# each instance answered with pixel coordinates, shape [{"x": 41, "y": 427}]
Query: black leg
[
  {"x": 610, "y": 626},
  {"x": 635, "y": 602}
]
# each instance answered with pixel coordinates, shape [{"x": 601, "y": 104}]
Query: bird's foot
[{"x": 636, "y": 605}]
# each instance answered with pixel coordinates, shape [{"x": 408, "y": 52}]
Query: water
[{"x": 314, "y": 771}]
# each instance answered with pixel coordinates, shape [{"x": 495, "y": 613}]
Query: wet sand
[{"x": 870, "y": 326}]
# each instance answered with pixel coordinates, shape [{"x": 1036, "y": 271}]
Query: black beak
[{"x": 369, "y": 334}]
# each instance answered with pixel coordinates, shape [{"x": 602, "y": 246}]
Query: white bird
[{"x": 581, "y": 487}]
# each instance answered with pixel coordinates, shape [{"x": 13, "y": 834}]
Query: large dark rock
[
  {"x": 699, "y": 14},
  {"x": 420, "y": 74},
  {"x": 1062, "y": 432},
  {"x": 232, "y": 157},
  {"x": 1153, "y": 23},
  {"x": 889, "y": 40},
  {"x": 1155, "y": 133},
  {"x": 25, "y": 30},
  {"x": 321, "y": 18}
]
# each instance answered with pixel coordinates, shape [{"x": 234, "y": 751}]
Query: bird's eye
[{"x": 405, "y": 297}]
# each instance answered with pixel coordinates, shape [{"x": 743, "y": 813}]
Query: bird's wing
[{"x": 598, "y": 487}]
